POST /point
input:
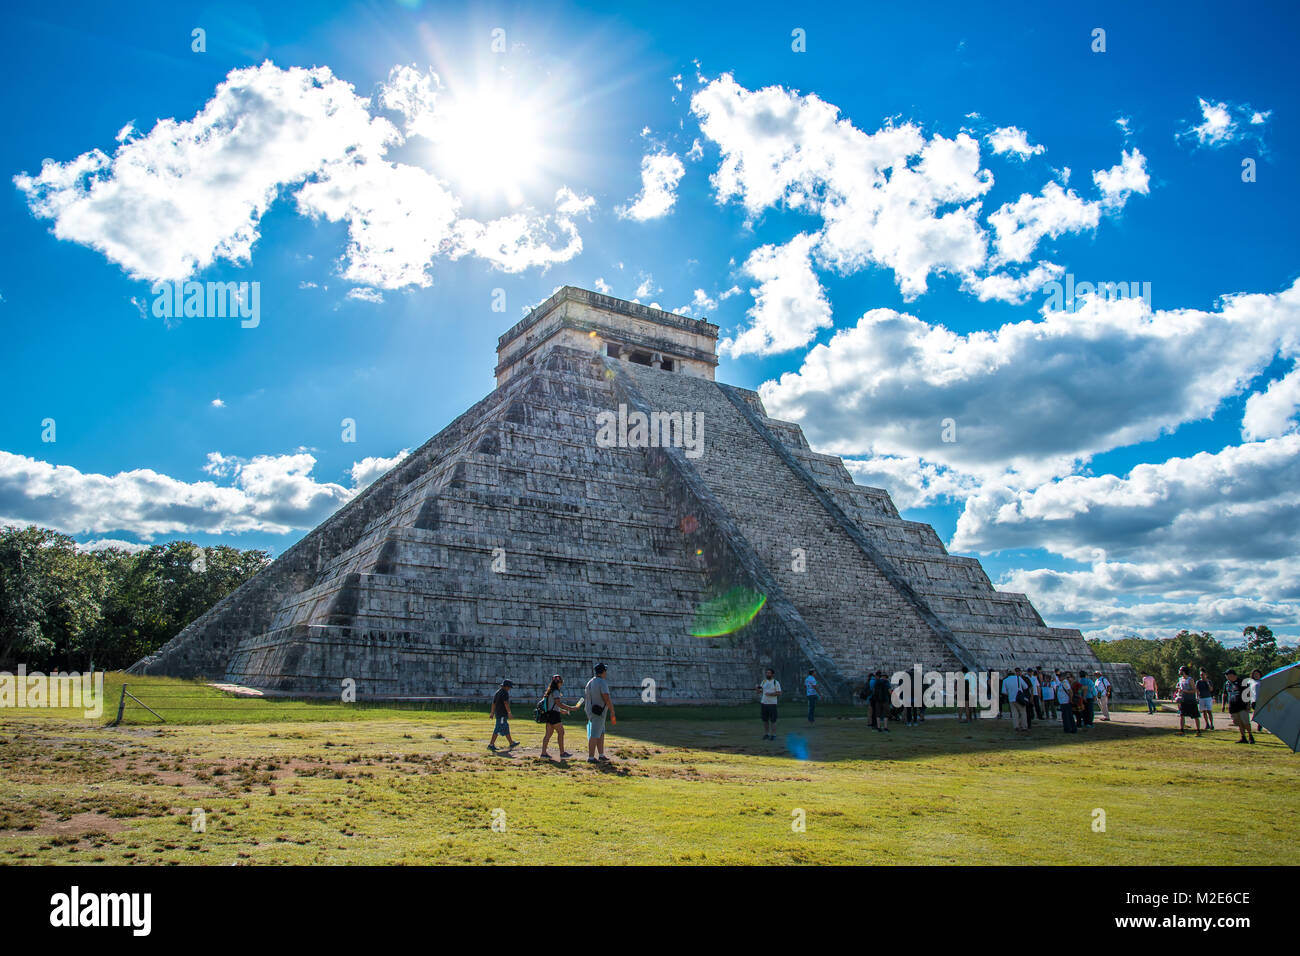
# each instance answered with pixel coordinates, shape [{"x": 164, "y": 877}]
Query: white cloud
[
  {"x": 274, "y": 494},
  {"x": 362, "y": 294},
  {"x": 1037, "y": 396},
  {"x": 1272, "y": 413},
  {"x": 217, "y": 403},
  {"x": 1242, "y": 503},
  {"x": 1223, "y": 123},
  {"x": 910, "y": 481},
  {"x": 647, "y": 287},
  {"x": 1004, "y": 287},
  {"x": 602, "y": 286},
  {"x": 1012, "y": 139},
  {"x": 789, "y": 303},
  {"x": 105, "y": 544},
  {"x": 191, "y": 193},
  {"x": 879, "y": 195},
  {"x": 367, "y": 470},
  {"x": 660, "y": 174},
  {"x": 1021, "y": 225}
]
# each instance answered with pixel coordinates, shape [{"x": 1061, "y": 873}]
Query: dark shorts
[
  {"x": 1187, "y": 707},
  {"x": 767, "y": 712},
  {"x": 554, "y": 717}
]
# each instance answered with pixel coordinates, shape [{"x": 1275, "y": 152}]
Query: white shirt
[
  {"x": 1062, "y": 690},
  {"x": 1102, "y": 685},
  {"x": 769, "y": 689},
  {"x": 1038, "y": 688},
  {"x": 1012, "y": 685}
]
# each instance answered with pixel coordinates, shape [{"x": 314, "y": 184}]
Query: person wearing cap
[
  {"x": 598, "y": 706},
  {"x": 501, "y": 711},
  {"x": 1238, "y": 708},
  {"x": 1103, "y": 693}
]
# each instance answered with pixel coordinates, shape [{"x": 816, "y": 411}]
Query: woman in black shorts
[{"x": 555, "y": 711}]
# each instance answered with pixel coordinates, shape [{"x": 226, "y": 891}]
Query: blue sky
[{"x": 871, "y": 220}]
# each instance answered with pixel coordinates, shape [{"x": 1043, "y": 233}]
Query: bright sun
[{"x": 489, "y": 141}]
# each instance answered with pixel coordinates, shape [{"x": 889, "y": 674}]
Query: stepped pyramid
[{"x": 516, "y": 543}]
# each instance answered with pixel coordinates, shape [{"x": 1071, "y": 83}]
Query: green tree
[{"x": 1261, "y": 648}]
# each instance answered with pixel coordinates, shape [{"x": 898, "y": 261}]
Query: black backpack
[{"x": 541, "y": 710}]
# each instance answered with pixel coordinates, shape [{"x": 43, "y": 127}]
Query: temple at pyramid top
[{"x": 580, "y": 319}]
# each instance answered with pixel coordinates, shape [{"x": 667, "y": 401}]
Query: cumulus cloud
[
  {"x": 1204, "y": 541},
  {"x": 660, "y": 174},
  {"x": 189, "y": 193},
  {"x": 896, "y": 198},
  {"x": 880, "y": 195},
  {"x": 789, "y": 303},
  {"x": 274, "y": 494},
  {"x": 1242, "y": 503},
  {"x": 1021, "y": 225},
  {"x": 911, "y": 481},
  {"x": 365, "y": 471},
  {"x": 1013, "y": 140},
  {"x": 1037, "y": 396},
  {"x": 1272, "y": 413},
  {"x": 1223, "y": 123}
]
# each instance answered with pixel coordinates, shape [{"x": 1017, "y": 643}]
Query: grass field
[{"x": 302, "y": 782}]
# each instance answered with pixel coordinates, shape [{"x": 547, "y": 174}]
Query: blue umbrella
[{"x": 1277, "y": 704}]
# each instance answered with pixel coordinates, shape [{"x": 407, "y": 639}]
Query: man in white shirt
[
  {"x": 770, "y": 690},
  {"x": 1014, "y": 685},
  {"x": 1103, "y": 695}
]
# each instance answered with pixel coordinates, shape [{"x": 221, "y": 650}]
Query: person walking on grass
[
  {"x": 1205, "y": 698},
  {"x": 810, "y": 692},
  {"x": 1149, "y": 692},
  {"x": 769, "y": 689},
  {"x": 555, "y": 708},
  {"x": 1238, "y": 708},
  {"x": 1016, "y": 690},
  {"x": 1103, "y": 693},
  {"x": 501, "y": 712},
  {"x": 1188, "y": 706},
  {"x": 598, "y": 706},
  {"x": 1050, "y": 699}
]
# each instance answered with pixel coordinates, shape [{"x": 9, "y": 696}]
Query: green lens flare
[{"x": 727, "y": 613}]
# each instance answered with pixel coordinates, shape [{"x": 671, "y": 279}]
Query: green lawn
[{"x": 295, "y": 782}]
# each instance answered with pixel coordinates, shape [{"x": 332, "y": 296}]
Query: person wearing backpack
[
  {"x": 1017, "y": 691},
  {"x": 1238, "y": 708},
  {"x": 551, "y": 710},
  {"x": 1103, "y": 693}
]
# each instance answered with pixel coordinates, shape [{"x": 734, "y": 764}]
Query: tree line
[
  {"x": 66, "y": 608},
  {"x": 1196, "y": 649}
]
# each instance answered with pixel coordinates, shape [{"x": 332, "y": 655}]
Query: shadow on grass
[{"x": 848, "y": 735}]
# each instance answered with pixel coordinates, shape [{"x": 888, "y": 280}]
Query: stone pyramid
[{"x": 517, "y": 543}]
